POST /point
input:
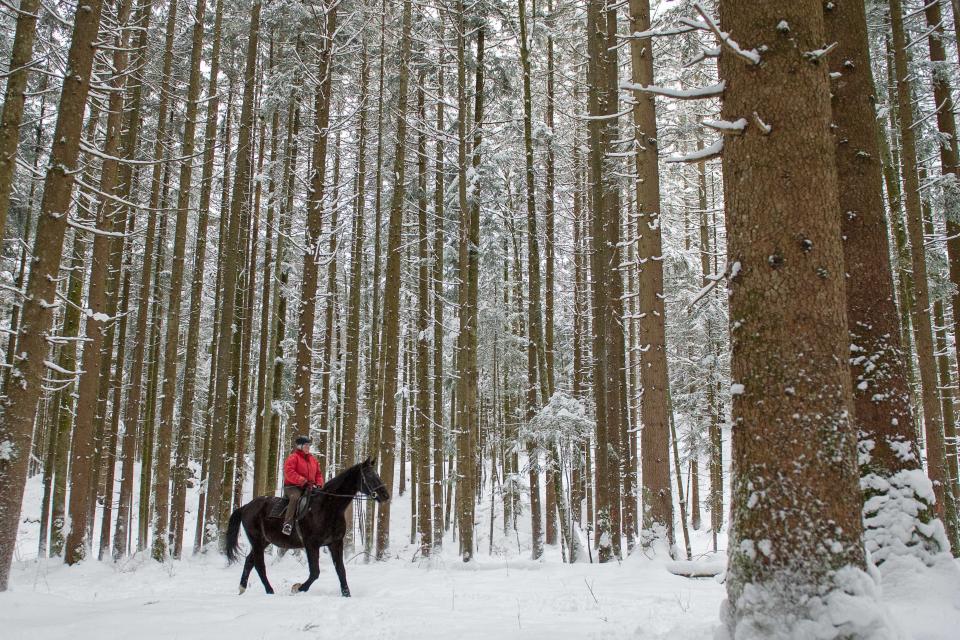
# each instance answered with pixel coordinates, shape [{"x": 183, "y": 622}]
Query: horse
[{"x": 323, "y": 525}]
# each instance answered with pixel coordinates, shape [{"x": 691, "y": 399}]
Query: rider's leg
[{"x": 293, "y": 495}]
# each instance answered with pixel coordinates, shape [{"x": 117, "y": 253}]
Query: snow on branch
[
  {"x": 53, "y": 366},
  {"x": 658, "y": 33},
  {"x": 727, "y": 127},
  {"x": 815, "y": 55},
  {"x": 750, "y": 55},
  {"x": 710, "y": 52},
  {"x": 697, "y": 93},
  {"x": 707, "y": 153},
  {"x": 609, "y": 116}
]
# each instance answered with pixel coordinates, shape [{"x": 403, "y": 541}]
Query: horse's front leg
[
  {"x": 313, "y": 561},
  {"x": 336, "y": 552}
]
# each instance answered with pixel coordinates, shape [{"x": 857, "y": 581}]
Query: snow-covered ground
[{"x": 500, "y": 595}]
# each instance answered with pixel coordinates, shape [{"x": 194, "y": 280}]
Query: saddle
[{"x": 279, "y": 508}]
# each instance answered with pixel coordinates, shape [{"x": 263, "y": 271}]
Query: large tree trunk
[
  {"x": 538, "y": 385},
  {"x": 608, "y": 347},
  {"x": 260, "y": 430},
  {"x": 14, "y": 97},
  {"x": 655, "y": 405},
  {"x": 328, "y": 352},
  {"x": 20, "y": 407},
  {"x": 131, "y": 411},
  {"x": 161, "y": 505},
  {"x": 922, "y": 329},
  {"x": 438, "y": 302},
  {"x": 311, "y": 253},
  {"x": 795, "y": 479},
  {"x": 881, "y": 393},
  {"x": 351, "y": 375},
  {"x": 423, "y": 384},
  {"x": 188, "y": 393},
  {"x": 231, "y": 247},
  {"x": 391, "y": 296},
  {"x": 83, "y": 467}
]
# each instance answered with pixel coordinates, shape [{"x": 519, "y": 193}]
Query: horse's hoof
[
  {"x": 345, "y": 593},
  {"x": 295, "y": 588},
  {"x": 242, "y": 589}
]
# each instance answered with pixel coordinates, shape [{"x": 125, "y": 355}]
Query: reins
[{"x": 354, "y": 496}]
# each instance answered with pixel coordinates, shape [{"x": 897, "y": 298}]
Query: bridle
[{"x": 370, "y": 493}]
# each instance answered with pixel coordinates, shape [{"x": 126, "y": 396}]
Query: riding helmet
[{"x": 302, "y": 440}]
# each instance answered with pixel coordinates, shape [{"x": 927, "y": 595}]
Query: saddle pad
[{"x": 277, "y": 507}]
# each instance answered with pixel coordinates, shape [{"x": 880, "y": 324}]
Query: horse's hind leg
[
  {"x": 247, "y": 566},
  {"x": 261, "y": 568},
  {"x": 336, "y": 552}
]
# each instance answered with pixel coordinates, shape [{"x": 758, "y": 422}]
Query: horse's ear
[
  {"x": 366, "y": 461},
  {"x": 373, "y": 462}
]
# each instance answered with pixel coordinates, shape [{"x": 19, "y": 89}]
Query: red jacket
[{"x": 301, "y": 468}]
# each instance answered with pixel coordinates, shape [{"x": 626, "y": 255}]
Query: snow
[
  {"x": 697, "y": 93},
  {"x": 502, "y": 594}
]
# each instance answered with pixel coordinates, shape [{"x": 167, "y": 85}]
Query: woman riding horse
[{"x": 323, "y": 525}]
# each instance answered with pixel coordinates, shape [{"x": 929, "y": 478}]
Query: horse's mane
[{"x": 337, "y": 482}]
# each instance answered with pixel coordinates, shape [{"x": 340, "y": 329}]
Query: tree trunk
[
  {"x": 311, "y": 252},
  {"x": 231, "y": 247},
  {"x": 131, "y": 411},
  {"x": 881, "y": 393},
  {"x": 260, "y": 439},
  {"x": 608, "y": 347},
  {"x": 83, "y": 467},
  {"x": 794, "y": 448},
  {"x": 161, "y": 533},
  {"x": 439, "y": 187},
  {"x": 21, "y": 62},
  {"x": 20, "y": 406},
  {"x": 922, "y": 330},
  {"x": 391, "y": 294},
  {"x": 188, "y": 394},
  {"x": 654, "y": 407}
]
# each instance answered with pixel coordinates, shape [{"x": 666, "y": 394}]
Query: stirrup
[{"x": 287, "y": 529}]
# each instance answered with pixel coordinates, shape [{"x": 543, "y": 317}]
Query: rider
[{"x": 301, "y": 472}]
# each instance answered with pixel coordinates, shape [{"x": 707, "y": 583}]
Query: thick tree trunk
[
  {"x": 83, "y": 467},
  {"x": 655, "y": 406},
  {"x": 188, "y": 394},
  {"x": 881, "y": 393},
  {"x": 21, "y": 62},
  {"x": 922, "y": 329},
  {"x": 439, "y": 221},
  {"x": 608, "y": 347},
  {"x": 20, "y": 407},
  {"x": 794, "y": 447},
  {"x": 423, "y": 383},
  {"x": 351, "y": 374},
  {"x": 311, "y": 253},
  {"x": 391, "y": 296},
  {"x": 131, "y": 411},
  {"x": 231, "y": 248},
  {"x": 161, "y": 507}
]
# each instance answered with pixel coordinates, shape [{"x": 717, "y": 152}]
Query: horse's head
[{"x": 370, "y": 483}]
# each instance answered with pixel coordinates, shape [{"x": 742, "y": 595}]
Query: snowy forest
[{"x": 603, "y": 318}]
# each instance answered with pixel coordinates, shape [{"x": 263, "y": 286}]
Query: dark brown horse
[{"x": 323, "y": 525}]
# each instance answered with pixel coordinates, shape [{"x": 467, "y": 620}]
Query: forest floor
[{"x": 500, "y": 595}]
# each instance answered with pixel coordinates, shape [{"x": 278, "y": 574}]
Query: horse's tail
[{"x": 233, "y": 535}]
